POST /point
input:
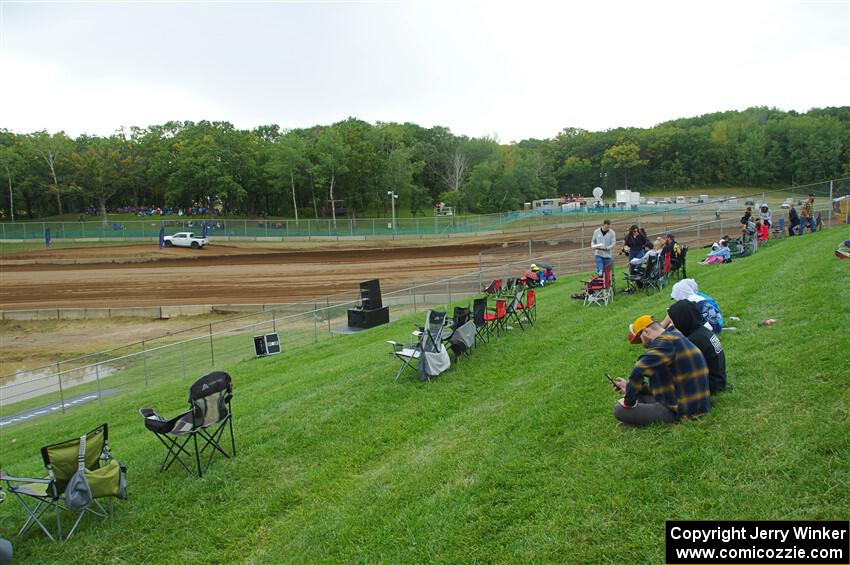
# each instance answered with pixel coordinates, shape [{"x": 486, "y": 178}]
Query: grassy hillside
[{"x": 511, "y": 456}]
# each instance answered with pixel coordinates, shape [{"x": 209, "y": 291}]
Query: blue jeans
[
  {"x": 600, "y": 263},
  {"x": 810, "y": 222}
]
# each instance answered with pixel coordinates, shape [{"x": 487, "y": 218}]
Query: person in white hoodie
[
  {"x": 602, "y": 242},
  {"x": 687, "y": 289}
]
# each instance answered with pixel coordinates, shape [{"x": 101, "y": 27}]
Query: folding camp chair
[
  {"x": 529, "y": 307},
  {"x": 741, "y": 247},
  {"x": 599, "y": 290},
  {"x": 479, "y": 318},
  {"x": 104, "y": 475},
  {"x": 677, "y": 264},
  {"x": 778, "y": 229},
  {"x": 209, "y": 415},
  {"x": 461, "y": 339},
  {"x": 496, "y": 318},
  {"x": 428, "y": 354},
  {"x": 493, "y": 288},
  {"x": 513, "y": 310},
  {"x": 509, "y": 287}
]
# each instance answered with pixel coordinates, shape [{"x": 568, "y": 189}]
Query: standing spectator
[
  {"x": 745, "y": 219},
  {"x": 636, "y": 243},
  {"x": 793, "y": 220},
  {"x": 807, "y": 215},
  {"x": 603, "y": 242},
  {"x": 668, "y": 382},
  {"x": 765, "y": 215}
]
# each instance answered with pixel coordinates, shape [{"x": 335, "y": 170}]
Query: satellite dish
[{"x": 597, "y": 192}]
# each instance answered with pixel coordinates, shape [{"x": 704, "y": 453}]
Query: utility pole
[{"x": 393, "y": 196}]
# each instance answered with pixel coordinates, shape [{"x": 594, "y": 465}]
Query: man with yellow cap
[{"x": 668, "y": 382}]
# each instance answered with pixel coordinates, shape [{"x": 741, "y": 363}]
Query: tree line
[{"x": 268, "y": 170}]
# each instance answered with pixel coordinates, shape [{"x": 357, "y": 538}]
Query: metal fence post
[
  {"x": 274, "y": 322},
  {"x": 97, "y": 378},
  {"x": 212, "y": 350},
  {"x": 480, "y": 273},
  {"x": 183, "y": 356},
  {"x": 413, "y": 289},
  {"x": 699, "y": 219},
  {"x": 581, "y": 253},
  {"x": 61, "y": 392},
  {"x": 145, "y": 361},
  {"x": 315, "y": 323},
  {"x": 829, "y": 213},
  {"x": 328, "y": 311}
]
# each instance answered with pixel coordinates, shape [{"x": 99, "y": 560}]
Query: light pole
[{"x": 393, "y": 196}]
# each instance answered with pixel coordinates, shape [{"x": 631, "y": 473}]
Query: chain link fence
[
  {"x": 186, "y": 354},
  {"x": 417, "y": 227}
]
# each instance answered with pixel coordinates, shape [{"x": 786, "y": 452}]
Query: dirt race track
[{"x": 220, "y": 274}]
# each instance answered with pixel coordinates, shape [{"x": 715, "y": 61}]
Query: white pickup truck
[{"x": 185, "y": 239}]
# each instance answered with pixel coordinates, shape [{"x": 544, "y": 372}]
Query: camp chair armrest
[
  {"x": 9, "y": 478},
  {"x": 396, "y": 345}
]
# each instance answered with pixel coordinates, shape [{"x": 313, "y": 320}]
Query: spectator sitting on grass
[
  {"x": 762, "y": 231},
  {"x": 765, "y": 216},
  {"x": 720, "y": 255},
  {"x": 687, "y": 289},
  {"x": 719, "y": 243},
  {"x": 688, "y": 320},
  {"x": 668, "y": 382}
]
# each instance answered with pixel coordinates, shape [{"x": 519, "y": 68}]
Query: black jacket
[
  {"x": 688, "y": 320},
  {"x": 636, "y": 241},
  {"x": 745, "y": 218},
  {"x": 793, "y": 216}
]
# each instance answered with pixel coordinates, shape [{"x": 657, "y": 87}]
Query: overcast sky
[{"x": 513, "y": 69}]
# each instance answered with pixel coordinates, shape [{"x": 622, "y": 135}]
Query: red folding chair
[
  {"x": 599, "y": 290},
  {"x": 496, "y": 318},
  {"x": 529, "y": 307}
]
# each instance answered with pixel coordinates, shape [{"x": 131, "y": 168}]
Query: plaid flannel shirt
[{"x": 677, "y": 374}]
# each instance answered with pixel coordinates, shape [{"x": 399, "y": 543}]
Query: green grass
[{"x": 512, "y": 456}]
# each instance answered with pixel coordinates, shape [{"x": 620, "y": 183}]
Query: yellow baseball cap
[{"x": 638, "y": 326}]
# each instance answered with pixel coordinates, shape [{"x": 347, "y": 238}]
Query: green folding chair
[{"x": 104, "y": 475}]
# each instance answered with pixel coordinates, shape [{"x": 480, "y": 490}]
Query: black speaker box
[
  {"x": 370, "y": 294},
  {"x": 365, "y": 319}
]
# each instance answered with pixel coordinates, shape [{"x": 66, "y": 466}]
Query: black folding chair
[
  {"x": 461, "y": 339},
  {"x": 479, "y": 313},
  {"x": 209, "y": 415}
]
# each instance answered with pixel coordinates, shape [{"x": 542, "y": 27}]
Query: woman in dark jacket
[{"x": 636, "y": 242}]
